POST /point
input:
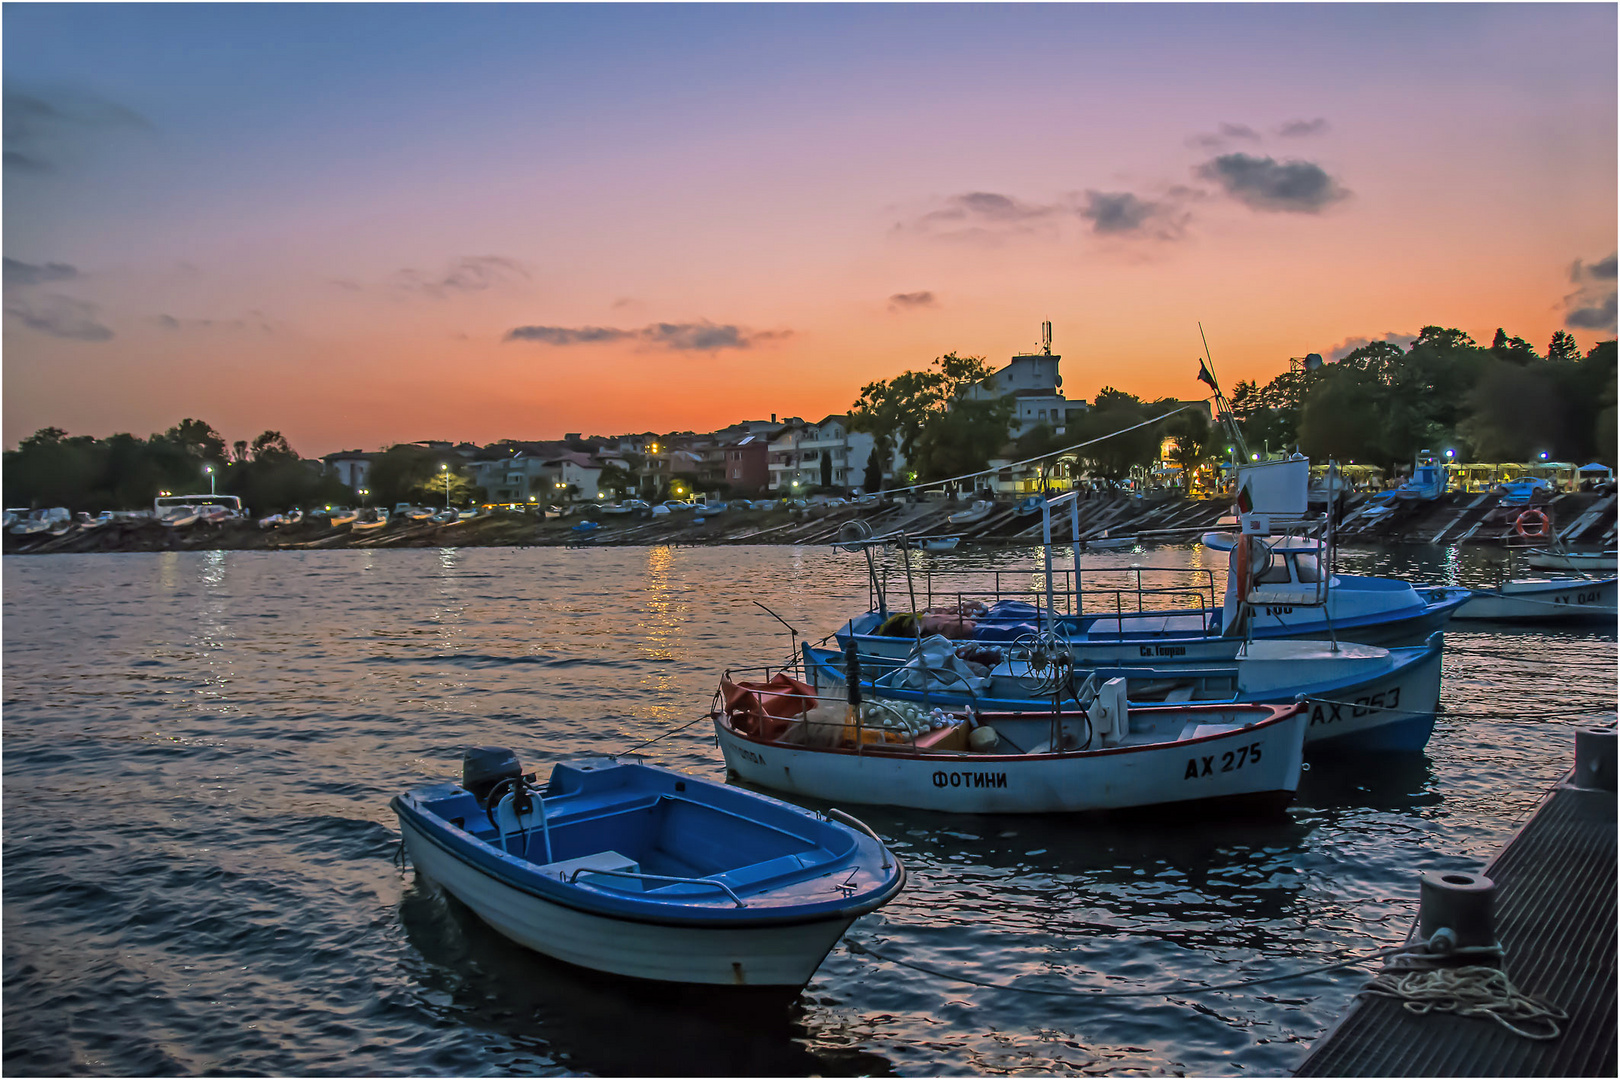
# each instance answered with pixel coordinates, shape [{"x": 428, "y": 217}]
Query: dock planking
[{"x": 1555, "y": 917}]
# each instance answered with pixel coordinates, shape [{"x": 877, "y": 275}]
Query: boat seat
[
  {"x": 564, "y": 869},
  {"x": 756, "y": 873}
]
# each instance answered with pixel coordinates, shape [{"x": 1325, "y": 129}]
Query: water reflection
[{"x": 583, "y": 1021}]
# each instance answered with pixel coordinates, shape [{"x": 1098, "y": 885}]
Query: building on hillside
[
  {"x": 351, "y": 467},
  {"x": 1035, "y": 383},
  {"x": 824, "y": 454},
  {"x": 745, "y": 464}
]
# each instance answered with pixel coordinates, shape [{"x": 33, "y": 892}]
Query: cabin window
[
  {"x": 1275, "y": 572},
  {"x": 1309, "y": 567}
]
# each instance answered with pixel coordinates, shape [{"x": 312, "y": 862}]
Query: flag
[
  {"x": 1204, "y": 376},
  {"x": 1245, "y": 502}
]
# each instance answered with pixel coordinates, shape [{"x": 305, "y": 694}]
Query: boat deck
[{"x": 1555, "y": 916}]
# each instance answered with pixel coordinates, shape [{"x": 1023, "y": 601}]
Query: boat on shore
[
  {"x": 938, "y": 543},
  {"x": 1240, "y": 759},
  {"x": 1537, "y": 600},
  {"x": 644, "y": 872},
  {"x": 977, "y": 512}
]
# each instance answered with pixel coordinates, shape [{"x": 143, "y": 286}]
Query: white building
[
  {"x": 798, "y": 451},
  {"x": 1035, "y": 383},
  {"x": 351, "y": 467}
]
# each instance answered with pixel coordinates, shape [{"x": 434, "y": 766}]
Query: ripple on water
[{"x": 198, "y": 874}]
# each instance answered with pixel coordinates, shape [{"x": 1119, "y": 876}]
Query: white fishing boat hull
[
  {"x": 940, "y": 543},
  {"x": 1573, "y": 560},
  {"x": 1552, "y": 600},
  {"x": 1259, "y": 764},
  {"x": 785, "y": 956}
]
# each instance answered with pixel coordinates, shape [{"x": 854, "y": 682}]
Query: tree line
[
  {"x": 123, "y": 471},
  {"x": 1380, "y": 405}
]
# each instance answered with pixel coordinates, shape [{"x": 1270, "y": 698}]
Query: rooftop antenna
[
  {"x": 1223, "y": 407},
  {"x": 1046, "y": 339}
]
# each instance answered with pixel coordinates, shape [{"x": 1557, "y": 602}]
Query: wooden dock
[{"x": 1555, "y": 917}]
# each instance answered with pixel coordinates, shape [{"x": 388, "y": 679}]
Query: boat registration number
[
  {"x": 1579, "y": 598},
  {"x": 1230, "y": 761},
  {"x": 1362, "y": 706}
]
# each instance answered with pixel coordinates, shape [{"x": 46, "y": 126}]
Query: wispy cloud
[
  {"x": 701, "y": 336},
  {"x": 473, "y": 273},
  {"x": 981, "y": 215},
  {"x": 1126, "y": 214},
  {"x": 46, "y": 128},
  {"x": 911, "y": 301},
  {"x": 1263, "y": 183},
  {"x": 254, "y": 322},
  {"x": 1592, "y": 305},
  {"x": 1224, "y": 136},
  {"x": 1299, "y": 129},
  {"x": 1350, "y": 345},
  {"x": 58, "y": 316},
  {"x": 19, "y": 273}
]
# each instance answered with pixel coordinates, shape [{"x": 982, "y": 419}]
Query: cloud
[
  {"x": 981, "y": 215},
  {"x": 59, "y": 316},
  {"x": 910, "y": 301},
  {"x": 1299, "y": 129},
  {"x": 702, "y": 336},
  {"x": 473, "y": 273},
  {"x": 43, "y": 128},
  {"x": 255, "y": 322},
  {"x": 1350, "y": 345},
  {"x": 1592, "y": 305},
  {"x": 562, "y": 335},
  {"x": 21, "y": 273},
  {"x": 1262, "y": 183},
  {"x": 1223, "y": 136}
]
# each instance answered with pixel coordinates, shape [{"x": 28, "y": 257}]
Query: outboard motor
[{"x": 482, "y": 767}]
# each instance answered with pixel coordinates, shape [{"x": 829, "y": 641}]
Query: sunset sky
[{"x": 368, "y": 224}]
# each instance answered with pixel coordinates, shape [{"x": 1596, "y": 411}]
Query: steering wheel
[
  {"x": 1048, "y": 657},
  {"x": 522, "y": 799}
]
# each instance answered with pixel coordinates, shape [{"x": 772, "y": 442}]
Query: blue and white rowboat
[{"x": 641, "y": 871}]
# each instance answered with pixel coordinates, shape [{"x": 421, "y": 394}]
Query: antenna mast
[
  {"x": 1046, "y": 339},
  {"x": 1223, "y": 407}
]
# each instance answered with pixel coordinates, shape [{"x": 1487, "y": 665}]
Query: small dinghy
[
  {"x": 641, "y": 871},
  {"x": 1588, "y": 561},
  {"x": 1232, "y": 758},
  {"x": 938, "y": 543},
  {"x": 1544, "y": 600},
  {"x": 977, "y": 512}
]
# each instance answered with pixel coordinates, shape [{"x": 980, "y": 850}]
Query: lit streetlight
[
  {"x": 363, "y": 492},
  {"x": 446, "y": 470},
  {"x": 209, "y": 469}
]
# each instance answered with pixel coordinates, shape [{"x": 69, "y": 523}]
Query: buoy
[
  {"x": 983, "y": 739},
  {"x": 1456, "y": 905}
]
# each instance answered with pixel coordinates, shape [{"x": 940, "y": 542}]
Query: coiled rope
[{"x": 1470, "y": 991}]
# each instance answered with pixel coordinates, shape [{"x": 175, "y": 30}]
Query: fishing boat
[
  {"x": 342, "y": 515},
  {"x": 39, "y": 521},
  {"x": 1109, "y": 757},
  {"x": 369, "y": 520},
  {"x": 1590, "y": 561},
  {"x": 1359, "y": 698},
  {"x": 938, "y": 543},
  {"x": 977, "y": 512},
  {"x": 1535, "y": 600},
  {"x": 645, "y": 872},
  {"x": 1105, "y": 542}
]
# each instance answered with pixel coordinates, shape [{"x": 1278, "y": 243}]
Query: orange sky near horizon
[{"x": 691, "y": 243}]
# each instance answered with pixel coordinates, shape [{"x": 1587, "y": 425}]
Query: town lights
[
  {"x": 1544, "y": 456},
  {"x": 1451, "y": 453}
]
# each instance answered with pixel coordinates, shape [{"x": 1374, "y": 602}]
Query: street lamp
[
  {"x": 363, "y": 492},
  {"x": 446, "y": 470},
  {"x": 209, "y": 469}
]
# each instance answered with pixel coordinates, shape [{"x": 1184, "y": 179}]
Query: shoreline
[{"x": 1582, "y": 518}]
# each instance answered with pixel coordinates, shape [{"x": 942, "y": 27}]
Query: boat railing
[
  {"x": 852, "y": 820},
  {"x": 1019, "y": 585},
  {"x": 710, "y": 882}
]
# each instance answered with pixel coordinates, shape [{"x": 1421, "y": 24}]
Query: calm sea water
[{"x": 199, "y": 750}]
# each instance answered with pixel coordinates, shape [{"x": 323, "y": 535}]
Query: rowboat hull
[
  {"x": 1557, "y": 600},
  {"x": 1252, "y": 768},
  {"x": 782, "y": 956},
  {"x": 1592, "y": 561}
]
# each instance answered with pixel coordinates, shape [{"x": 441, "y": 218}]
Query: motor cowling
[{"x": 482, "y": 767}]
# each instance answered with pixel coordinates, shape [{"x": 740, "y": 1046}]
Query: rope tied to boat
[
  {"x": 1181, "y": 989},
  {"x": 702, "y": 717},
  {"x": 1470, "y": 991}
]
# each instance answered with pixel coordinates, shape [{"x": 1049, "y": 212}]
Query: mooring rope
[
  {"x": 1470, "y": 991},
  {"x": 862, "y": 948},
  {"x": 671, "y": 731}
]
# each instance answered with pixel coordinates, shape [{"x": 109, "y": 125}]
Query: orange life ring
[{"x": 1542, "y": 525}]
